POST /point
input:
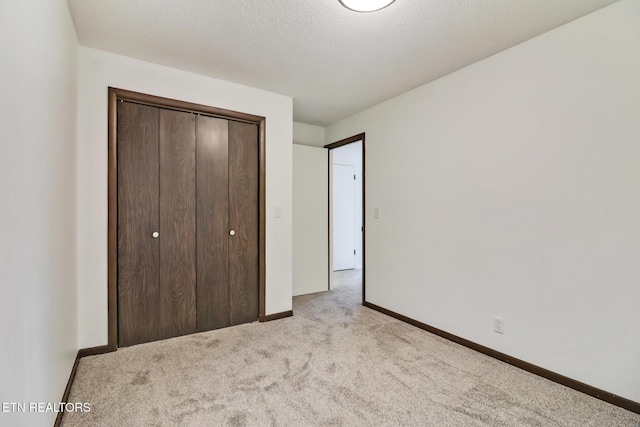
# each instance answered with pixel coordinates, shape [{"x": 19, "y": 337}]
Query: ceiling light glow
[{"x": 366, "y": 5}]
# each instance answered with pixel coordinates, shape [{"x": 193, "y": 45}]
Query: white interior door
[{"x": 343, "y": 210}]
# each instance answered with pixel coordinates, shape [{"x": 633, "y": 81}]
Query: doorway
[{"x": 346, "y": 213}]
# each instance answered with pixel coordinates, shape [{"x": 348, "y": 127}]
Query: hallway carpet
[{"x": 335, "y": 363}]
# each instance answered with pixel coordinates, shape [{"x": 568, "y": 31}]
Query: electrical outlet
[{"x": 498, "y": 324}]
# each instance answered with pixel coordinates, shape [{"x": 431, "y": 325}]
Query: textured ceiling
[{"x": 332, "y": 61}]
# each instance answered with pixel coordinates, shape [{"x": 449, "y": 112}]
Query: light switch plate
[{"x": 277, "y": 212}]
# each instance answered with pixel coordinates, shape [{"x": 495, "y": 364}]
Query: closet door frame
[{"x": 117, "y": 95}]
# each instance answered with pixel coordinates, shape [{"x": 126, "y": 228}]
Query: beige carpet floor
[{"x": 335, "y": 363}]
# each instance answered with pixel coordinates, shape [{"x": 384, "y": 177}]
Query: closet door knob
[
  {"x": 155, "y": 234},
  {"x": 232, "y": 233}
]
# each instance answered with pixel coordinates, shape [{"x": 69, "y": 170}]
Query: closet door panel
[
  {"x": 212, "y": 178},
  {"x": 177, "y": 223},
  {"x": 243, "y": 219},
  {"x": 138, "y": 218}
]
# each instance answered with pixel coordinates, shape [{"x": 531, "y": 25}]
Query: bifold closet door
[
  {"x": 177, "y": 147},
  {"x": 188, "y": 195},
  {"x": 243, "y": 220},
  {"x": 138, "y": 219},
  {"x": 212, "y": 179},
  {"x": 156, "y": 223},
  {"x": 227, "y": 183}
]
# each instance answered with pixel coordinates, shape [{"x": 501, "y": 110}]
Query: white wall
[
  {"x": 310, "y": 210},
  {"x": 310, "y": 219},
  {"x": 511, "y": 188},
  {"x": 351, "y": 154},
  {"x": 304, "y": 134},
  {"x": 38, "y": 323},
  {"x": 98, "y": 70}
]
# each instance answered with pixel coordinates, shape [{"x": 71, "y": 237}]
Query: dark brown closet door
[
  {"x": 177, "y": 223},
  {"x": 138, "y": 218},
  {"x": 212, "y": 175},
  {"x": 187, "y": 223},
  {"x": 243, "y": 220}
]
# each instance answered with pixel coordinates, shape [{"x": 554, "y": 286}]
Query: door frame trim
[
  {"x": 116, "y": 95},
  {"x": 329, "y": 147}
]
